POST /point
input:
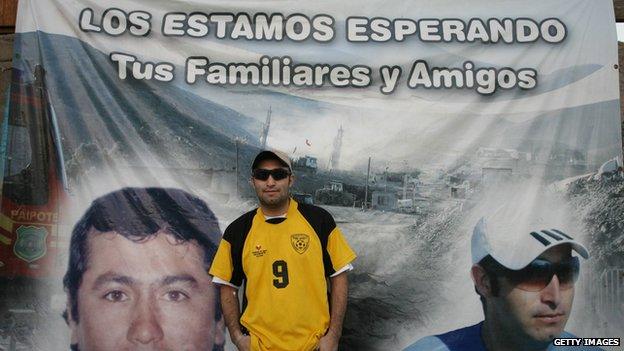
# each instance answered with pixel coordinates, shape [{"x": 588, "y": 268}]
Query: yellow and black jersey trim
[
  {"x": 285, "y": 263},
  {"x": 323, "y": 224},
  {"x": 235, "y": 235},
  {"x": 237, "y": 232}
]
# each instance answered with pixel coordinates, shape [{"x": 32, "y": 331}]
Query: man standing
[
  {"x": 136, "y": 278},
  {"x": 284, "y": 252},
  {"x": 525, "y": 280}
]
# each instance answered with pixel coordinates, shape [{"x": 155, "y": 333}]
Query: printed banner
[{"x": 408, "y": 122}]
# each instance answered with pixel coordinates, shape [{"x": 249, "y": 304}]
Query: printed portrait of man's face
[
  {"x": 151, "y": 295},
  {"x": 137, "y": 277}
]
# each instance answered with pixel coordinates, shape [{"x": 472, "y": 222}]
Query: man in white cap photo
[{"x": 525, "y": 279}]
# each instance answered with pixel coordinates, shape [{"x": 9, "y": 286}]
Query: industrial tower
[
  {"x": 334, "y": 160},
  {"x": 265, "y": 130}
]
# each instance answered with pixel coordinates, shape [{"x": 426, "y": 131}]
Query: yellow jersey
[{"x": 285, "y": 263}]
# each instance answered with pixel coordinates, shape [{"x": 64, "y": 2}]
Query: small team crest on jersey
[{"x": 300, "y": 242}]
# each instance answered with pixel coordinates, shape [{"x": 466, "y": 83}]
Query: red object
[{"x": 31, "y": 244}]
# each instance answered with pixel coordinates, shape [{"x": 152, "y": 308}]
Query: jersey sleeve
[
  {"x": 347, "y": 268},
  {"x": 222, "y": 266},
  {"x": 339, "y": 250},
  {"x": 336, "y": 252},
  {"x": 228, "y": 262}
]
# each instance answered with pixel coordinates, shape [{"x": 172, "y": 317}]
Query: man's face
[
  {"x": 148, "y": 295},
  {"x": 271, "y": 192},
  {"x": 534, "y": 316}
]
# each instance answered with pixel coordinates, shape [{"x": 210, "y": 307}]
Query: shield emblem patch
[
  {"x": 300, "y": 242},
  {"x": 30, "y": 244}
]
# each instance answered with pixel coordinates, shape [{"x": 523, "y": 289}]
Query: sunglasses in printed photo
[
  {"x": 539, "y": 273},
  {"x": 263, "y": 174}
]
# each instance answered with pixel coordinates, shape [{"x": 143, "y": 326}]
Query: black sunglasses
[
  {"x": 538, "y": 274},
  {"x": 263, "y": 174}
]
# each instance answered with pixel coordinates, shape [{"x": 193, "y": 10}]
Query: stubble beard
[{"x": 274, "y": 203}]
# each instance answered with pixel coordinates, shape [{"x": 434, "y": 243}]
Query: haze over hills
[
  {"x": 198, "y": 127},
  {"x": 143, "y": 119},
  {"x": 584, "y": 128}
]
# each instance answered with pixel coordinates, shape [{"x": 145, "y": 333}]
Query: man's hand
[
  {"x": 329, "y": 342},
  {"x": 243, "y": 343}
]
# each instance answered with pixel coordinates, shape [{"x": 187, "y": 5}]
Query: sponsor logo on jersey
[
  {"x": 300, "y": 242},
  {"x": 259, "y": 251},
  {"x": 30, "y": 244}
]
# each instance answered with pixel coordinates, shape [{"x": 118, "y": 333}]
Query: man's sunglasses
[
  {"x": 263, "y": 174},
  {"x": 538, "y": 274}
]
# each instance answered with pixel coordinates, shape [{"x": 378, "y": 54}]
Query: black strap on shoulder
[
  {"x": 235, "y": 234},
  {"x": 323, "y": 224}
]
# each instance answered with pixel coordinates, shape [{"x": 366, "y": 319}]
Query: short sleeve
[
  {"x": 228, "y": 262},
  {"x": 339, "y": 250},
  {"x": 222, "y": 266}
]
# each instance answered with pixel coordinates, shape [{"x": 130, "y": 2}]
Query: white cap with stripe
[{"x": 515, "y": 246}]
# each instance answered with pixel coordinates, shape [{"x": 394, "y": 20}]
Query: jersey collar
[{"x": 292, "y": 207}]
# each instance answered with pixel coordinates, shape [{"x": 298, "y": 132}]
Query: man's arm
[
  {"x": 231, "y": 313},
  {"x": 339, "y": 291}
]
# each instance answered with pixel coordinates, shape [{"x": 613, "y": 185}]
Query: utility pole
[
  {"x": 236, "y": 175},
  {"x": 405, "y": 186},
  {"x": 366, "y": 187}
]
